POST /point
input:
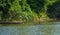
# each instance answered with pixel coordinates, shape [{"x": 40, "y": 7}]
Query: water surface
[{"x": 30, "y": 29}]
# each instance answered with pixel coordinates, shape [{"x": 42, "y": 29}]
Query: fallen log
[{"x": 10, "y": 22}]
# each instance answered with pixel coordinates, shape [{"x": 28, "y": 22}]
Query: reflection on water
[{"x": 24, "y": 29}]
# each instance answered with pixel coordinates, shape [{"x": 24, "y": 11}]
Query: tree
[
  {"x": 36, "y": 5},
  {"x": 54, "y": 10},
  {"x": 4, "y": 8},
  {"x": 15, "y": 9}
]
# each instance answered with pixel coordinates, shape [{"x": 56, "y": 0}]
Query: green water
[{"x": 30, "y": 29}]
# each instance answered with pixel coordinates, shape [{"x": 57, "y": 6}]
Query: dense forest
[{"x": 29, "y": 10}]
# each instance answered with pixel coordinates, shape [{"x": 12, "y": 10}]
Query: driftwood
[{"x": 10, "y": 22}]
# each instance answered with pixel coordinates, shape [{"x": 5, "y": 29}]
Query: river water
[{"x": 30, "y": 29}]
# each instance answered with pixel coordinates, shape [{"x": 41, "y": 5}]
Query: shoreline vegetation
[
  {"x": 22, "y": 11},
  {"x": 41, "y": 20}
]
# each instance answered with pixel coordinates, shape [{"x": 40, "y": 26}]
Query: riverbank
[
  {"x": 41, "y": 20},
  {"x": 48, "y": 20}
]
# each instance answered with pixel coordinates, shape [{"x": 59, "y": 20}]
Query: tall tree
[{"x": 54, "y": 10}]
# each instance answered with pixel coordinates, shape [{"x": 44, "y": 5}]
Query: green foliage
[
  {"x": 4, "y": 8},
  {"x": 54, "y": 10},
  {"x": 13, "y": 9},
  {"x": 35, "y": 5},
  {"x": 27, "y": 9}
]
